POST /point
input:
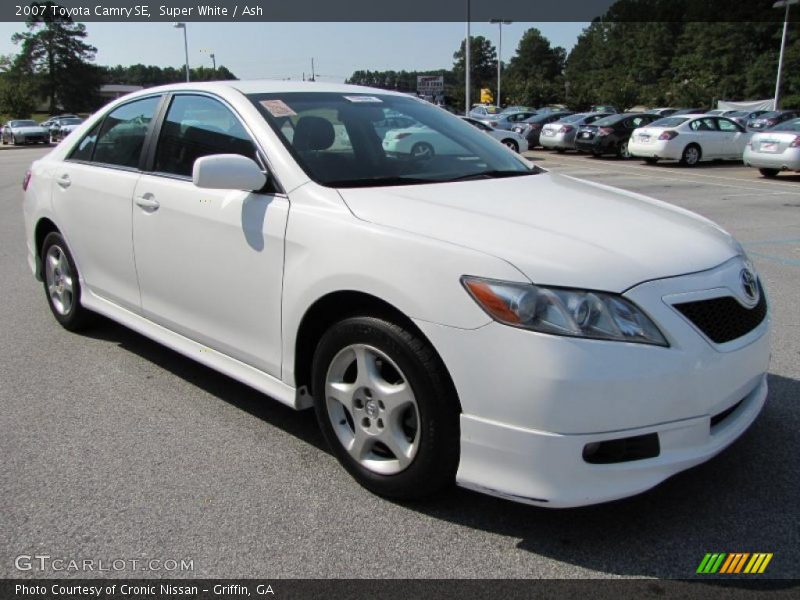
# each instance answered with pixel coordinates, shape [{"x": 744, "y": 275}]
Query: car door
[
  {"x": 706, "y": 133},
  {"x": 732, "y": 138},
  {"x": 92, "y": 198},
  {"x": 210, "y": 262}
]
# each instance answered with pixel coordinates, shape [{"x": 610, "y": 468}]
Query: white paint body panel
[{"x": 226, "y": 277}]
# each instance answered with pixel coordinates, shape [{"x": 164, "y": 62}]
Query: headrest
[{"x": 313, "y": 133}]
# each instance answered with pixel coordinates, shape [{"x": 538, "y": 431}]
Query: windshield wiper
[{"x": 494, "y": 174}]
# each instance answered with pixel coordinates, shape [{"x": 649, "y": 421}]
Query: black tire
[
  {"x": 14, "y": 141},
  {"x": 560, "y": 150},
  {"x": 422, "y": 151},
  {"x": 691, "y": 155},
  {"x": 596, "y": 153},
  {"x": 434, "y": 465},
  {"x": 512, "y": 144},
  {"x": 77, "y": 317},
  {"x": 769, "y": 173},
  {"x": 622, "y": 150},
  {"x": 651, "y": 161}
]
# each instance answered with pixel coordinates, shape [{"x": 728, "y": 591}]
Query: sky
[{"x": 284, "y": 50}]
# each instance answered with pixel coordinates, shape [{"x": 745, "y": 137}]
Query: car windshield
[
  {"x": 737, "y": 113},
  {"x": 669, "y": 122},
  {"x": 361, "y": 140},
  {"x": 609, "y": 120},
  {"x": 24, "y": 124},
  {"x": 793, "y": 125},
  {"x": 70, "y": 121},
  {"x": 573, "y": 118},
  {"x": 770, "y": 115}
]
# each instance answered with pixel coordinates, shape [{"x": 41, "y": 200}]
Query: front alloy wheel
[{"x": 386, "y": 407}]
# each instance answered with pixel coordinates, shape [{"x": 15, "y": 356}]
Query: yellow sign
[{"x": 486, "y": 96}]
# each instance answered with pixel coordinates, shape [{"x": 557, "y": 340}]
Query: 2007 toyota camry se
[{"x": 452, "y": 312}]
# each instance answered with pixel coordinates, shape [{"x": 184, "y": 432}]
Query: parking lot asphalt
[{"x": 113, "y": 447}]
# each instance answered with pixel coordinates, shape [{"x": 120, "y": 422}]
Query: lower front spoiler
[{"x": 547, "y": 469}]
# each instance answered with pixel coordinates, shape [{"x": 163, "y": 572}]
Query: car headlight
[{"x": 564, "y": 311}]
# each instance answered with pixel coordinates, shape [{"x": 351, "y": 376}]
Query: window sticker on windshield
[
  {"x": 363, "y": 99},
  {"x": 278, "y": 108}
]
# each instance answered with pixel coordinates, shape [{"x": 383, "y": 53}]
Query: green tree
[
  {"x": 16, "y": 98},
  {"x": 483, "y": 66},
  {"x": 535, "y": 73},
  {"x": 54, "y": 52}
]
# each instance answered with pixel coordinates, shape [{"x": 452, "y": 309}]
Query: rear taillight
[
  {"x": 668, "y": 135},
  {"x": 795, "y": 143},
  {"x": 770, "y": 122},
  {"x": 492, "y": 123},
  {"x": 535, "y": 126},
  {"x": 565, "y": 129},
  {"x": 26, "y": 180},
  {"x": 605, "y": 131}
]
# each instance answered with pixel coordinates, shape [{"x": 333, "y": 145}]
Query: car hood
[{"x": 557, "y": 230}]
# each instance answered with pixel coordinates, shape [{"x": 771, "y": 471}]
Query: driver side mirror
[{"x": 228, "y": 172}]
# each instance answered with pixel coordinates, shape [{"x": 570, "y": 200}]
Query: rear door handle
[
  {"x": 147, "y": 202},
  {"x": 64, "y": 181}
]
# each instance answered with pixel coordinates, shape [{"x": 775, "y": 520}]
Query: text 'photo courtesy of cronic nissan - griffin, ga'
[{"x": 453, "y": 313}]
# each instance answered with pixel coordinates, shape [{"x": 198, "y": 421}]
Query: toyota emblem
[{"x": 749, "y": 285}]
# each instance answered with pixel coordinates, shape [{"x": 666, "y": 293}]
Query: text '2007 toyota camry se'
[{"x": 452, "y": 312}]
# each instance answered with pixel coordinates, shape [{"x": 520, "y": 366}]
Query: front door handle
[
  {"x": 64, "y": 181},
  {"x": 147, "y": 202}
]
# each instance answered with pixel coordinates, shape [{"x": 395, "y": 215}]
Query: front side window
[
  {"x": 729, "y": 126},
  {"x": 345, "y": 140},
  {"x": 197, "y": 126},
  {"x": 120, "y": 138}
]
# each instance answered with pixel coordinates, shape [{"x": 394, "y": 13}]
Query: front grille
[
  {"x": 622, "y": 450},
  {"x": 724, "y": 319}
]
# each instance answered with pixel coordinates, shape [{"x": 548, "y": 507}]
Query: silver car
[
  {"x": 560, "y": 136},
  {"x": 24, "y": 131},
  {"x": 775, "y": 150}
]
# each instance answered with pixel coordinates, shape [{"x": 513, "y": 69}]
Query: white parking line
[{"x": 606, "y": 169}]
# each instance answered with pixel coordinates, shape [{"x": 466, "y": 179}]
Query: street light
[
  {"x": 500, "y": 23},
  {"x": 213, "y": 58},
  {"x": 782, "y": 4},
  {"x": 185, "y": 46}
]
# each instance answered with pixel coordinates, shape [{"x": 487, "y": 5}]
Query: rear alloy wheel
[
  {"x": 769, "y": 172},
  {"x": 422, "y": 151},
  {"x": 511, "y": 144},
  {"x": 384, "y": 406},
  {"x": 622, "y": 150},
  {"x": 691, "y": 155},
  {"x": 61, "y": 283}
]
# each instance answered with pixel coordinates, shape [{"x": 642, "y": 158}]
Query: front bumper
[
  {"x": 788, "y": 160},
  {"x": 532, "y": 402}
]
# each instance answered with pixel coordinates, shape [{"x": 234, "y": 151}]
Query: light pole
[
  {"x": 185, "y": 46},
  {"x": 500, "y": 23},
  {"x": 213, "y": 58},
  {"x": 467, "y": 66},
  {"x": 782, "y": 4}
]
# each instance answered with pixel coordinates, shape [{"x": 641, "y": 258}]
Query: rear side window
[
  {"x": 120, "y": 138},
  {"x": 197, "y": 126},
  {"x": 83, "y": 151}
]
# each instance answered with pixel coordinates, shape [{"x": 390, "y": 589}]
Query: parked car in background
[
  {"x": 771, "y": 118},
  {"x": 531, "y": 128},
  {"x": 560, "y": 135},
  {"x": 606, "y": 108},
  {"x": 610, "y": 135},
  {"x": 518, "y": 108},
  {"x": 689, "y": 111},
  {"x": 62, "y": 127},
  {"x": 509, "y": 138},
  {"x": 743, "y": 116},
  {"x": 508, "y": 120},
  {"x": 467, "y": 319},
  {"x": 662, "y": 112},
  {"x": 484, "y": 112},
  {"x": 774, "y": 150},
  {"x": 689, "y": 139},
  {"x": 24, "y": 131}
]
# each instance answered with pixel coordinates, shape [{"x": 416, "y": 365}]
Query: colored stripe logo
[{"x": 734, "y": 563}]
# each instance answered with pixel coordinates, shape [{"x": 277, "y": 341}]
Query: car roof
[{"x": 268, "y": 86}]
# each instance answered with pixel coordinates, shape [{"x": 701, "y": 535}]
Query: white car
[
  {"x": 689, "y": 139},
  {"x": 465, "y": 318},
  {"x": 775, "y": 150},
  {"x": 512, "y": 139}
]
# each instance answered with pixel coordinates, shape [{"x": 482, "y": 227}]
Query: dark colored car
[
  {"x": 743, "y": 117},
  {"x": 508, "y": 120},
  {"x": 770, "y": 119},
  {"x": 611, "y": 134},
  {"x": 531, "y": 127}
]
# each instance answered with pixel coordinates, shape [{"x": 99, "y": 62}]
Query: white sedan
[
  {"x": 512, "y": 139},
  {"x": 467, "y": 317},
  {"x": 775, "y": 150},
  {"x": 689, "y": 139}
]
